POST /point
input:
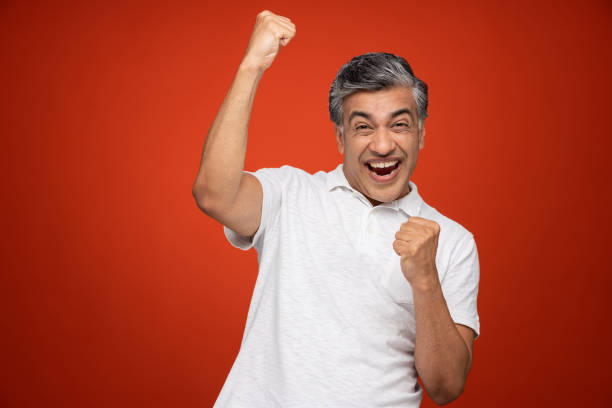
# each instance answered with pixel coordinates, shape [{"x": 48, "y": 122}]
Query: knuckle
[{"x": 265, "y": 16}]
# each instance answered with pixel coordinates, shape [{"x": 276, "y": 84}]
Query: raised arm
[{"x": 221, "y": 189}]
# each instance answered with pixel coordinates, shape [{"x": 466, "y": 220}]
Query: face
[{"x": 381, "y": 142}]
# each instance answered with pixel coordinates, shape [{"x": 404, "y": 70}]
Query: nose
[{"x": 382, "y": 142}]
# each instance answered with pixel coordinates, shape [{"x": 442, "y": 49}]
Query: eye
[
  {"x": 362, "y": 129},
  {"x": 401, "y": 124}
]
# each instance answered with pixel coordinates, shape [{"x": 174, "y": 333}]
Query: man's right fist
[{"x": 270, "y": 33}]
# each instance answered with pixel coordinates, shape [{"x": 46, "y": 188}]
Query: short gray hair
[{"x": 372, "y": 72}]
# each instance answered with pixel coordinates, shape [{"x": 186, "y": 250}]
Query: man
[{"x": 362, "y": 286}]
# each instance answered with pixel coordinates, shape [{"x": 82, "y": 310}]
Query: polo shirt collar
[{"x": 410, "y": 203}]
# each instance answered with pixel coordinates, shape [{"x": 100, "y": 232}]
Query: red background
[{"x": 118, "y": 291}]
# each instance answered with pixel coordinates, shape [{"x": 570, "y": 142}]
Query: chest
[
  {"x": 344, "y": 233},
  {"x": 342, "y": 254}
]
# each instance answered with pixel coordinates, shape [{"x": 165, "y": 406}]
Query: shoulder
[{"x": 290, "y": 176}]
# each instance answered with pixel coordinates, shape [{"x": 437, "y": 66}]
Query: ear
[
  {"x": 339, "y": 140},
  {"x": 422, "y": 137}
]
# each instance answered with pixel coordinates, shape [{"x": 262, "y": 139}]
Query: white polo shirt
[{"x": 331, "y": 321}]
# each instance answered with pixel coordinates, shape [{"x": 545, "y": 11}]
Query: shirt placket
[{"x": 370, "y": 241}]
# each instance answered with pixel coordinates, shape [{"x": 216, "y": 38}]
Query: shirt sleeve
[
  {"x": 271, "y": 180},
  {"x": 460, "y": 285}
]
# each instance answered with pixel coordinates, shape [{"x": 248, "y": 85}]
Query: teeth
[{"x": 381, "y": 165}]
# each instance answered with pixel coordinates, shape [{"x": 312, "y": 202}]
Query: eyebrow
[{"x": 369, "y": 117}]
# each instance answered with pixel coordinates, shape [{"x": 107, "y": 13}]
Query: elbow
[
  {"x": 447, "y": 393},
  {"x": 210, "y": 204},
  {"x": 203, "y": 200},
  {"x": 214, "y": 199}
]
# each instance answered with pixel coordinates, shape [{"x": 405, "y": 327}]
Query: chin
[{"x": 384, "y": 198}]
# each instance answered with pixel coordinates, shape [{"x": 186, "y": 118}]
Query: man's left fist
[{"x": 416, "y": 243}]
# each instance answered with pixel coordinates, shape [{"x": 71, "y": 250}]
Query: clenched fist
[
  {"x": 416, "y": 243},
  {"x": 270, "y": 33}
]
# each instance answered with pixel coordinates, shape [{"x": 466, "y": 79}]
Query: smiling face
[{"x": 381, "y": 142}]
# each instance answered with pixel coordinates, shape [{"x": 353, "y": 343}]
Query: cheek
[
  {"x": 350, "y": 153},
  {"x": 356, "y": 150}
]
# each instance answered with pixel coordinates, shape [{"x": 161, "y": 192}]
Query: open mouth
[{"x": 383, "y": 171}]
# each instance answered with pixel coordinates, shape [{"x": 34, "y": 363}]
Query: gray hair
[{"x": 372, "y": 72}]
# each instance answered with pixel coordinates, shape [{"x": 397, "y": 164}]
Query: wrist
[
  {"x": 249, "y": 67},
  {"x": 426, "y": 286}
]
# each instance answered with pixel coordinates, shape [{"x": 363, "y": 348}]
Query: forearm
[
  {"x": 224, "y": 150},
  {"x": 218, "y": 180},
  {"x": 442, "y": 357}
]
